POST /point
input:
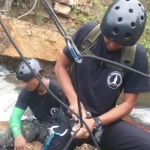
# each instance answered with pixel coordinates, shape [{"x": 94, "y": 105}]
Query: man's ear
[{"x": 40, "y": 76}]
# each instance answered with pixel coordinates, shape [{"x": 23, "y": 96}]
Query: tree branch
[
  {"x": 35, "y": 2},
  {"x": 6, "y": 7}
]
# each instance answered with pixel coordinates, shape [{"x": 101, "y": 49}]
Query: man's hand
[
  {"x": 83, "y": 132},
  {"x": 74, "y": 107},
  {"x": 20, "y": 143}
]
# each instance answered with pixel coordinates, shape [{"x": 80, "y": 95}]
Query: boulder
[
  {"x": 33, "y": 41},
  {"x": 62, "y": 9},
  {"x": 67, "y": 2}
]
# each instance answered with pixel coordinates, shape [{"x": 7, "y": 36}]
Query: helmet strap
[
  {"x": 37, "y": 86},
  {"x": 39, "y": 82}
]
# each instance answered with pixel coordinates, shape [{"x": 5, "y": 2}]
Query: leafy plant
[
  {"x": 13, "y": 12},
  {"x": 22, "y": 4},
  {"x": 39, "y": 18},
  {"x": 145, "y": 38},
  {"x": 96, "y": 4},
  {"x": 2, "y": 3}
]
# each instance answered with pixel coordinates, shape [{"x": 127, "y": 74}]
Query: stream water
[{"x": 10, "y": 87}]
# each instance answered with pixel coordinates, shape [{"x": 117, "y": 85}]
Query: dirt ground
[{"x": 37, "y": 145}]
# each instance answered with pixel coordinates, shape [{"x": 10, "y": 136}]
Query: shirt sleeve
[
  {"x": 23, "y": 99},
  {"x": 135, "y": 83},
  {"x": 55, "y": 88}
]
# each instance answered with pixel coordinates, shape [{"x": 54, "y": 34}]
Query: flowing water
[{"x": 10, "y": 87}]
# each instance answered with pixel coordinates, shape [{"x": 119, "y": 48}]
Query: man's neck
[{"x": 41, "y": 90}]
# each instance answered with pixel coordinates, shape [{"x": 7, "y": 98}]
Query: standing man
[
  {"x": 99, "y": 85},
  {"x": 42, "y": 104}
]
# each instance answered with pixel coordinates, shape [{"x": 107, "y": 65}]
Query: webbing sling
[
  {"x": 127, "y": 57},
  {"x": 36, "y": 128}
]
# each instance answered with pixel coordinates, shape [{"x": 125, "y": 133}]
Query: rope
[
  {"x": 59, "y": 26},
  {"x": 48, "y": 90},
  {"x": 53, "y": 16},
  {"x": 48, "y": 141},
  {"x": 115, "y": 63}
]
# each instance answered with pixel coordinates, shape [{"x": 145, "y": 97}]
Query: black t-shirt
[
  {"x": 42, "y": 106},
  {"x": 99, "y": 85}
]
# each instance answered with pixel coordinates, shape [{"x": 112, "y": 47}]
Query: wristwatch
[{"x": 98, "y": 124}]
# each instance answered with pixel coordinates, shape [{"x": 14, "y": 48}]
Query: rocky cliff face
[{"x": 33, "y": 41}]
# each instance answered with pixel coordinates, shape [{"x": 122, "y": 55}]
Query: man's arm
[
  {"x": 15, "y": 121},
  {"x": 15, "y": 126},
  {"x": 113, "y": 115},
  {"x": 66, "y": 84},
  {"x": 123, "y": 109},
  {"x": 64, "y": 79}
]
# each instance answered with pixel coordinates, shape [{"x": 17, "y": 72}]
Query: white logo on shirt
[
  {"x": 53, "y": 110},
  {"x": 114, "y": 79}
]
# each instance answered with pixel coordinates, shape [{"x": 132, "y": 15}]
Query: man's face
[
  {"x": 111, "y": 45},
  {"x": 30, "y": 84}
]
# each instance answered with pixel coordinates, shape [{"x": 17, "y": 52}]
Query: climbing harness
[{"x": 51, "y": 134}]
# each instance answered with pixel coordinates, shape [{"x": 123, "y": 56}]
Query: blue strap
[
  {"x": 51, "y": 135},
  {"x": 48, "y": 141},
  {"x": 57, "y": 133}
]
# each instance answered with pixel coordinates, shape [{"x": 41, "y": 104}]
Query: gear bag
[{"x": 128, "y": 53}]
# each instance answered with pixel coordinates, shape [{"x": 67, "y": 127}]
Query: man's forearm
[
  {"x": 121, "y": 110},
  {"x": 66, "y": 84}
]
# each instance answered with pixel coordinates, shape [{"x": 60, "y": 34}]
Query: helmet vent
[
  {"x": 21, "y": 73},
  {"x": 22, "y": 67},
  {"x": 132, "y": 24},
  {"x": 117, "y": 7},
  {"x": 127, "y": 36},
  {"x": 142, "y": 17},
  {"x": 115, "y": 31},
  {"x": 119, "y": 19},
  {"x": 124, "y": 22},
  {"x": 140, "y": 4},
  {"x": 131, "y": 10}
]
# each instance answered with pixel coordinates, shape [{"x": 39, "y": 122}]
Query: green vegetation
[
  {"x": 145, "y": 38},
  {"x": 13, "y": 12},
  {"x": 96, "y": 4},
  {"x": 39, "y": 18},
  {"x": 22, "y": 4},
  {"x": 1, "y": 3},
  {"x": 82, "y": 15}
]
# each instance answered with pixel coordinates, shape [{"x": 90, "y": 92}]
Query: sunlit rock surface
[{"x": 33, "y": 41}]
